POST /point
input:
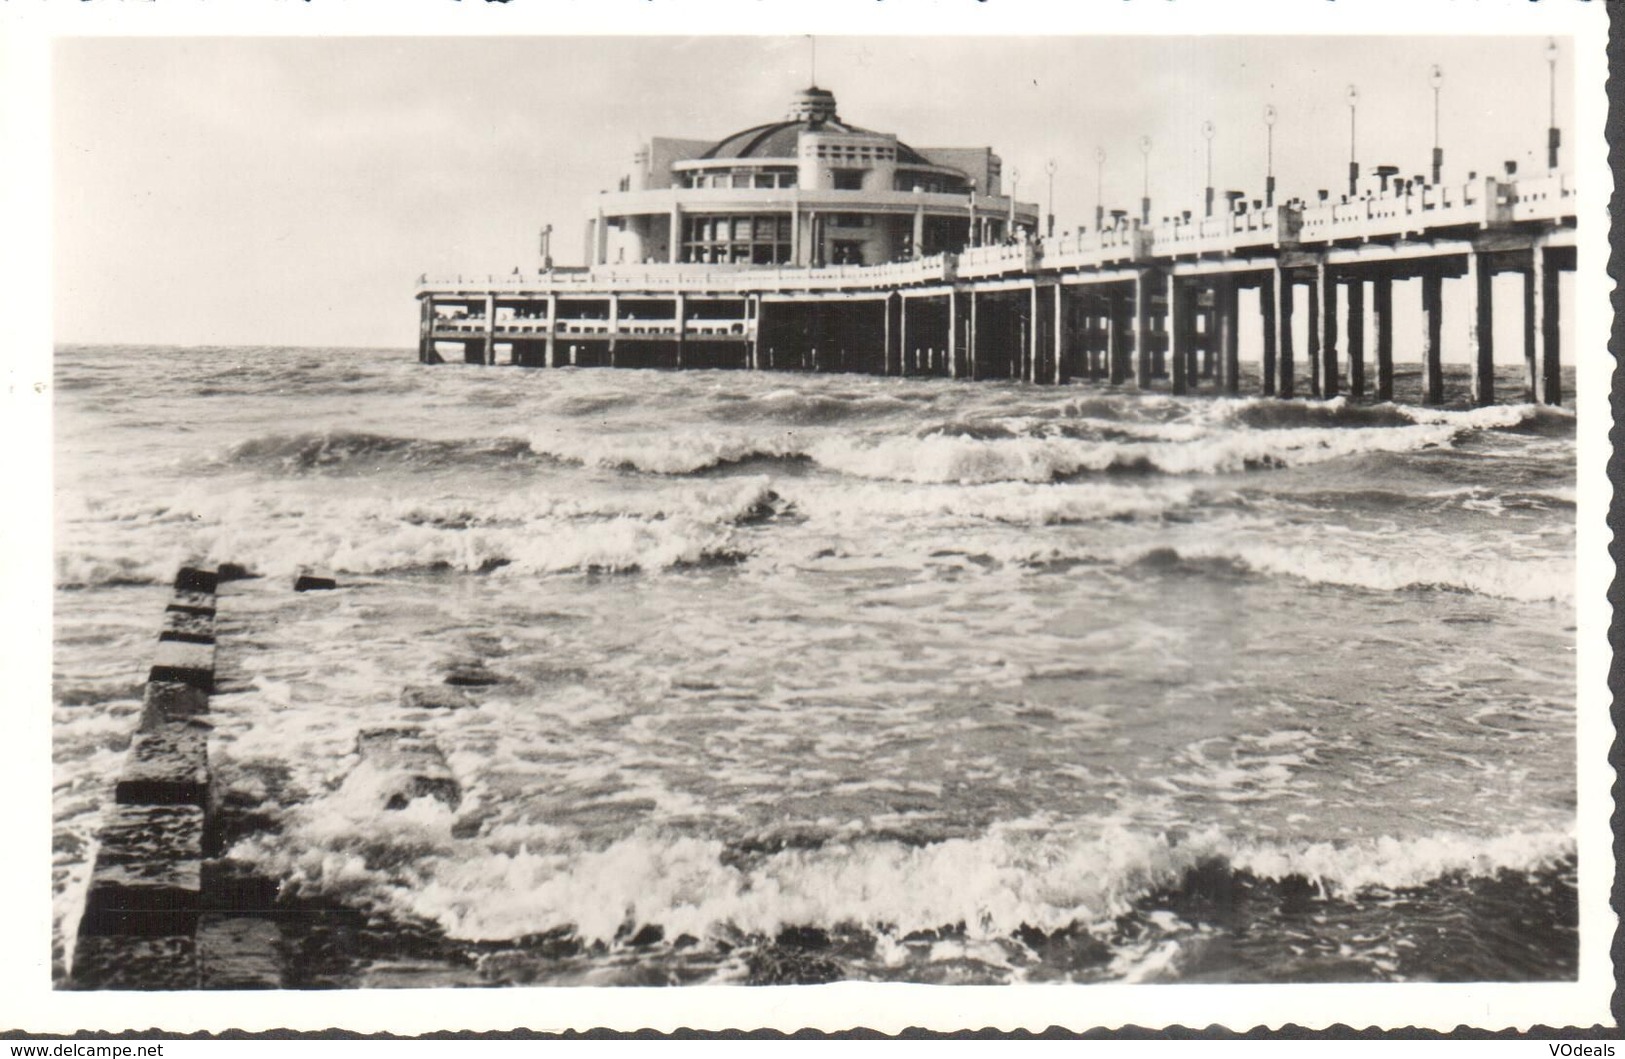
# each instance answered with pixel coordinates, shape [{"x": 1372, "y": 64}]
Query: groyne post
[
  {"x": 1481, "y": 327},
  {"x": 1432, "y": 333},
  {"x": 1382, "y": 306}
]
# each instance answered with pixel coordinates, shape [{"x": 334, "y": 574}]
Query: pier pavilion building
[
  {"x": 809, "y": 244},
  {"x": 810, "y": 190}
]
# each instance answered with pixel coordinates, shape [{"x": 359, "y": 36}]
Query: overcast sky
[{"x": 289, "y": 191}]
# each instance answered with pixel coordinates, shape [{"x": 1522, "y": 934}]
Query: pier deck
[{"x": 1129, "y": 301}]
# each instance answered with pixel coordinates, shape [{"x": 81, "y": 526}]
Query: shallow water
[{"x": 809, "y": 677}]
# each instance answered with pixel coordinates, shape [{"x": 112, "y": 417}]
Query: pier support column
[
  {"x": 1266, "y": 310},
  {"x": 1145, "y": 283},
  {"x": 681, "y": 310},
  {"x": 1227, "y": 303},
  {"x": 614, "y": 324},
  {"x": 1542, "y": 358},
  {"x": 1356, "y": 329},
  {"x": 970, "y": 339},
  {"x": 902, "y": 338},
  {"x": 1382, "y": 305},
  {"x": 489, "y": 350},
  {"x": 1432, "y": 331},
  {"x": 1031, "y": 372},
  {"x": 1550, "y": 333},
  {"x": 425, "y": 330},
  {"x": 1059, "y": 333},
  {"x": 953, "y": 334},
  {"x": 552, "y": 327},
  {"x": 1283, "y": 331},
  {"x": 1313, "y": 335},
  {"x": 753, "y": 330},
  {"x": 1117, "y": 339},
  {"x": 1180, "y": 327},
  {"x": 1327, "y": 282},
  {"x": 1481, "y": 330}
]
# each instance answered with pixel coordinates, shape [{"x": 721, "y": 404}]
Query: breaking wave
[{"x": 1015, "y": 876}]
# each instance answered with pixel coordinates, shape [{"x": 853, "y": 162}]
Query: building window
[
  {"x": 847, "y": 179},
  {"x": 846, "y": 252},
  {"x": 758, "y": 239},
  {"x": 849, "y": 220}
]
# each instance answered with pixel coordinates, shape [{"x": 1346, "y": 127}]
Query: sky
[{"x": 288, "y": 191}]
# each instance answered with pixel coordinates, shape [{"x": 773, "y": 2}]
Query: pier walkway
[{"x": 1128, "y": 302}]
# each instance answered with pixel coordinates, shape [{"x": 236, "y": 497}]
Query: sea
[{"x": 785, "y": 677}]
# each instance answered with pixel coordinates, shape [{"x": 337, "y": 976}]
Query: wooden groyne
[
  {"x": 1128, "y": 302},
  {"x": 167, "y": 908}
]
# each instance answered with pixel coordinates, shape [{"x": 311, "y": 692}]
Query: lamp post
[
  {"x": 1269, "y": 154},
  {"x": 1145, "y": 180},
  {"x": 1353, "y": 97},
  {"x": 1436, "y": 79},
  {"x": 1553, "y": 138},
  {"x": 1010, "y": 225},
  {"x": 1207, "y": 193},
  {"x": 1049, "y": 219},
  {"x": 1100, "y": 177}
]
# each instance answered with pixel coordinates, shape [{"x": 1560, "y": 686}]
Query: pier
[{"x": 1150, "y": 305}]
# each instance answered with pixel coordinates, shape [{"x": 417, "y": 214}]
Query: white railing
[
  {"x": 1398, "y": 214},
  {"x": 1123, "y": 242},
  {"x": 1545, "y": 199},
  {"x": 1270, "y": 226},
  {"x": 729, "y": 278},
  {"x": 997, "y": 260}
]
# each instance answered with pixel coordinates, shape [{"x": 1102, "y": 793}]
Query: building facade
[{"x": 808, "y": 191}]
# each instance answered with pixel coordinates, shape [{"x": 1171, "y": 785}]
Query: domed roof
[{"x": 812, "y": 110}]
